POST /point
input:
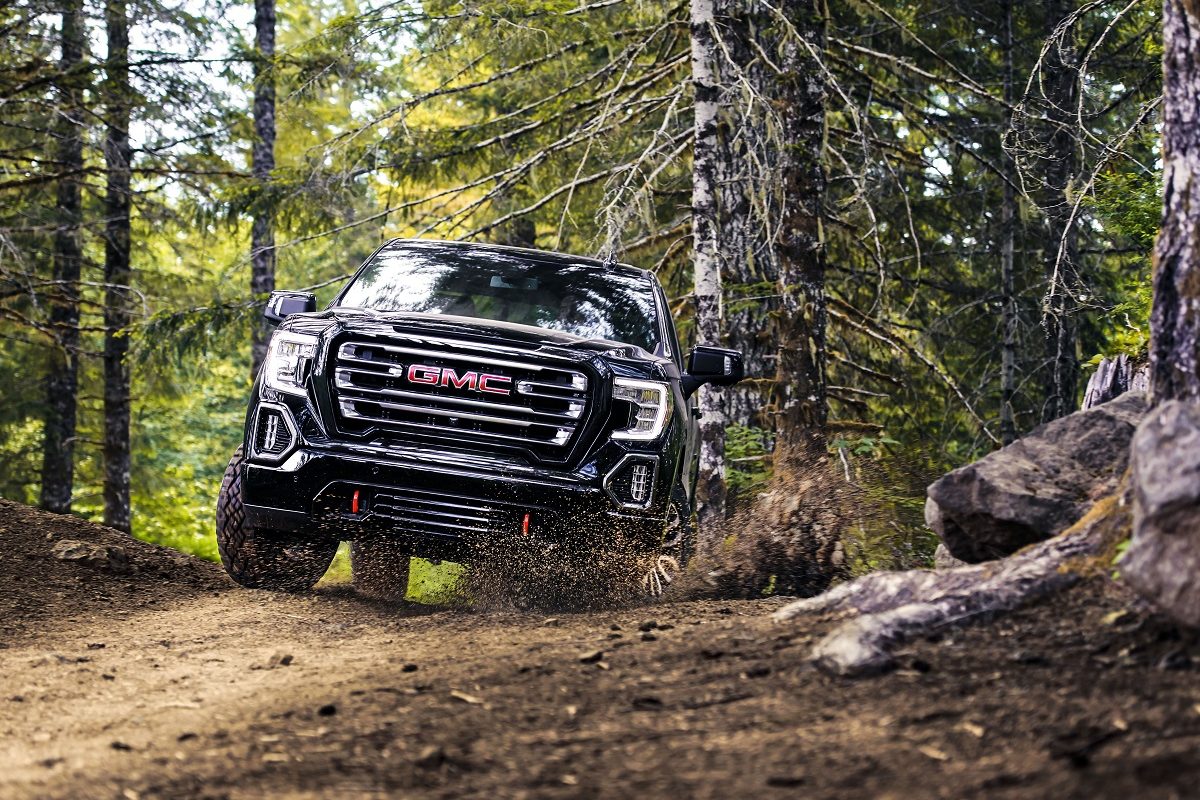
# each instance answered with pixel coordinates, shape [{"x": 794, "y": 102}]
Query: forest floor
[{"x": 169, "y": 682}]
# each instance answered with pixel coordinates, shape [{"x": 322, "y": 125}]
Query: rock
[
  {"x": 591, "y": 657},
  {"x": 108, "y": 558},
  {"x": 1164, "y": 554},
  {"x": 941, "y": 556},
  {"x": 327, "y": 710},
  {"x": 279, "y": 660},
  {"x": 431, "y": 757},
  {"x": 1036, "y": 487},
  {"x": 469, "y": 699}
]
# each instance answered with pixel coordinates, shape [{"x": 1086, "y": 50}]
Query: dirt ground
[{"x": 169, "y": 682}]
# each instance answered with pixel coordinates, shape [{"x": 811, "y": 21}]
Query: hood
[{"x": 467, "y": 329}]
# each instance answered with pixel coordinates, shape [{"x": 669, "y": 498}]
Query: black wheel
[
  {"x": 260, "y": 559},
  {"x": 680, "y": 539},
  {"x": 380, "y": 568},
  {"x": 678, "y": 548}
]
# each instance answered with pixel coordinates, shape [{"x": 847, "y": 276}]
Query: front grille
[
  {"x": 418, "y": 512},
  {"x": 469, "y": 399}
]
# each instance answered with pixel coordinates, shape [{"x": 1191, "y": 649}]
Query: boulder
[
  {"x": 1035, "y": 487},
  {"x": 107, "y": 558},
  {"x": 1163, "y": 559}
]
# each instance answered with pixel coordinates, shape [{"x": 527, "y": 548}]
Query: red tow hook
[
  {"x": 525, "y": 525},
  {"x": 354, "y": 502}
]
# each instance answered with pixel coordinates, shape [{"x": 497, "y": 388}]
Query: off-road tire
[
  {"x": 380, "y": 569},
  {"x": 681, "y": 526},
  {"x": 258, "y": 559}
]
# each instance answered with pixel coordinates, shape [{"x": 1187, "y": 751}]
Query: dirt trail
[{"x": 169, "y": 682}]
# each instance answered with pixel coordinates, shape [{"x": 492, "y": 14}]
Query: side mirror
[
  {"x": 281, "y": 305},
  {"x": 715, "y": 365}
]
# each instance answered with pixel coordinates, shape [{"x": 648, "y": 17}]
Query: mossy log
[{"x": 887, "y": 608}]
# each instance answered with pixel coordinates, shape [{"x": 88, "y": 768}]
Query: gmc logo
[{"x": 445, "y": 376}]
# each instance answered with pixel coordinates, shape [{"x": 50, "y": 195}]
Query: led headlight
[
  {"x": 651, "y": 402},
  {"x": 287, "y": 356}
]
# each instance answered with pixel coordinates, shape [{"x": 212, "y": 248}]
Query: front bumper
[{"x": 443, "y": 506}]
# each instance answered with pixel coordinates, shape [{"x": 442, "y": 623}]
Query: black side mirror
[
  {"x": 716, "y": 365},
  {"x": 281, "y": 305}
]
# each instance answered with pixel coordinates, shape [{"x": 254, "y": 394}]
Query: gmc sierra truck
[{"x": 456, "y": 394}]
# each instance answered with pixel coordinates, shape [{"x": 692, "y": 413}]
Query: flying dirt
[{"x": 130, "y": 671}]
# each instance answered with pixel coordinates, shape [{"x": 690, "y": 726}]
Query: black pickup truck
[{"x": 455, "y": 394}]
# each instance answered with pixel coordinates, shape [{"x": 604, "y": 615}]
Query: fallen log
[{"x": 887, "y": 608}]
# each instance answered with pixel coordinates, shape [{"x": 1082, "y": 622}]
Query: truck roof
[{"x": 546, "y": 256}]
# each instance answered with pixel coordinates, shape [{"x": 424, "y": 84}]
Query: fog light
[
  {"x": 275, "y": 434},
  {"x": 639, "y": 483},
  {"x": 630, "y": 484}
]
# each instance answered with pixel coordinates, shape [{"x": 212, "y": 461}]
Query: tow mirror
[
  {"x": 281, "y": 305},
  {"x": 716, "y": 365}
]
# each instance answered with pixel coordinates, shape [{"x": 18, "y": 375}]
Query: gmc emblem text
[{"x": 445, "y": 376}]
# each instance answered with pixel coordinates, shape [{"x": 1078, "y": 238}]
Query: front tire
[
  {"x": 380, "y": 569},
  {"x": 259, "y": 559},
  {"x": 679, "y": 546}
]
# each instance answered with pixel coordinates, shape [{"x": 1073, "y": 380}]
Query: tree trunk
[
  {"x": 1175, "y": 319},
  {"x": 117, "y": 274},
  {"x": 262, "y": 233},
  {"x": 706, "y": 260},
  {"x": 800, "y": 246},
  {"x": 58, "y": 450},
  {"x": 749, "y": 207},
  {"x": 1114, "y": 377},
  {"x": 1008, "y": 292},
  {"x": 1060, "y": 256}
]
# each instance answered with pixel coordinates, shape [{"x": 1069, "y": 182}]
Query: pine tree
[
  {"x": 262, "y": 232},
  {"x": 62, "y": 384}
]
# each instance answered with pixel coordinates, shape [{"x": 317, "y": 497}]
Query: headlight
[
  {"x": 287, "y": 355},
  {"x": 652, "y": 406}
]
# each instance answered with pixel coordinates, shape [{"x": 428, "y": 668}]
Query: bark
[
  {"x": 749, "y": 204},
  {"x": 262, "y": 231},
  {"x": 889, "y": 608},
  {"x": 706, "y": 260},
  {"x": 800, "y": 246},
  {"x": 117, "y": 273},
  {"x": 1060, "y": 254},
  {"x": 1175, "y": 318},
  {"x": 1008, "y": 292},
  {"x": 58, "y": 450}
]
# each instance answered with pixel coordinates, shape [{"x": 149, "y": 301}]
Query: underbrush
[{"x": 859, "y": 510}]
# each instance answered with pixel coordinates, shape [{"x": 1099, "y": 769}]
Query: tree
[
  {"x": 1175, "y": 319},
  {"x": 1060, "y": 255},
  {"x": 1008, "y": 222},
  {"x": 262, "y": 231},
  {"x": 62, "y": 384},
  {"x": 118, "y": 155},
  {"x": 706, "y": 254},
  {"x": 800, "y": 96}
]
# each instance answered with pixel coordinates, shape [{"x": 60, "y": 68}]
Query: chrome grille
[{"x": 469, "y": 398}]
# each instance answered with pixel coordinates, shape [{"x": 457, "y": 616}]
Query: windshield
[{"x": 573, "y": 297}]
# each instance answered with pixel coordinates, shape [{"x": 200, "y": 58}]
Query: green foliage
[
  {"x": 1130, "y": 204},
  {"x": 747, "y": 460}
]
